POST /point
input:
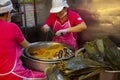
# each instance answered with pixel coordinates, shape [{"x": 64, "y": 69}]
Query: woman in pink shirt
[
  {"x": 64, "y": 22},
  {"x": 11, "y": 42}
]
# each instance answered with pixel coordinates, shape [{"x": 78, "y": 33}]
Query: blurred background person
[{"x": 65, "y": 23}]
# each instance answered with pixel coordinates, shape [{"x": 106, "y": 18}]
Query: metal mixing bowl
[{"x": 37, "y": 63}]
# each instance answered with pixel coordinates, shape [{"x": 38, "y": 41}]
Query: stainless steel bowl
[{"x": 37, "y": 63}]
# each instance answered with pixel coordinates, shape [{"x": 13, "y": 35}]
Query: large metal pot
[{"x": 40, "y": 64}]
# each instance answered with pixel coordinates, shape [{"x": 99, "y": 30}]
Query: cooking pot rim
[{"x": 26, "y": 54}]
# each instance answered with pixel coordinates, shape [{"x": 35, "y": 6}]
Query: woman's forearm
[
  {"x": 78, "y": 28},
  {"x": 24, "y": 43}
]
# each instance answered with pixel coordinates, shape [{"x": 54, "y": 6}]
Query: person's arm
[
  {"x": 78, "y": 28},
  {"x": 45, "y": 28},
  {"x": 19, "y": 37},
  {"x": 79, "y": 24},
  {"x": 24, "y": 43},
  {"x": 48, "y": 23}
]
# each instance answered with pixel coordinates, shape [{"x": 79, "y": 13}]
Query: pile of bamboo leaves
[{"x": 96, "y": 56}]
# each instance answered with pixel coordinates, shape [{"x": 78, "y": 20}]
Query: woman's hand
[
  {"x": 61, "y": 32},
  {"x": 45, "y": 28}
]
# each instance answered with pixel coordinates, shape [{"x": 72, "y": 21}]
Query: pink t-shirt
[
  {"x": 10, "y": 35},
  {"x": 10, "y": 52},
  {"x": 73, "y": 17},
  {"x": 72, "y": 20}
]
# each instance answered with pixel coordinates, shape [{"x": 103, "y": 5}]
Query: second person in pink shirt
[{"x": 64, "y": 22}]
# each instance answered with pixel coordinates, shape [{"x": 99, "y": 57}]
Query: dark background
[{"x": 101, "y": 16}]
